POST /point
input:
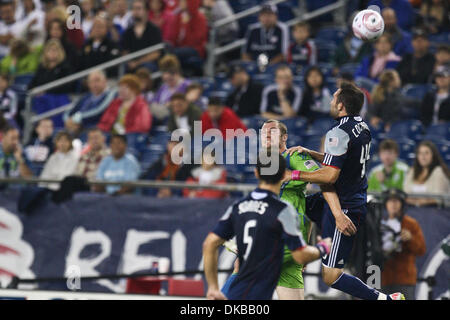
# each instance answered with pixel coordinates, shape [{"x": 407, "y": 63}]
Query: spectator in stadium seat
[
  {"x": 216, "y": 10},
  {"x": 428, "y": 175},
  {"x": 173, "y": 82},
  {"x": 41, "y": 147},
  {"x": 99, "y": 47},
  {"x": 387, "y": 100},
  {"x": 21, "y": 59},
  {"x": 160, "y": 16},
  {"x": 269, "y": 37},
  {"x": 435, "y": 106},
  {"x": 401, "y": 39},
  {"x": 74, "y": 36},
  {"x": 442, "y": 57},
  {"x": 92, "y": 156},
  {"x": 53, "y": 66},
  {"x": 10, "y": 28},
  {"x": 128, "y": 113},
  {"x": 62, "y": 162},
  {"x": 141, "y": 35},
  {"x": 146, "y": 82},
  {"x": 245, "y": 100},
  {"x": 88, "y": 110},
  {"x": 435, "y": 16},
  {"x": 165, "y": 169},
  {"x": 119, "y": 166},
  {"x": 402, "y": 8},
  {"x": 86, "y": 168},
  {"x": 316, "y": 96},
  {"x": 194, "y": 94},
  {"x": 189, "y": 32},
  {"x": 217, "y": 116},
  {"x": 208, "y": 173},
  {"x": 303, "y": 51},
  {"x": 282, "y": 99},
  {"x": 402, "y": 241},
  {"x": 391, "y": 172},
  {"x": 87, "y": 15},
  {"x": 13, "y": 163},
  {"x": 417, "y": 67},
  {"x": 182, "y": 114},
  {"x": 8, "y": 99},
  {"x": 122, "y": 15},
  {"x": 33, "y": 23},
  {"x": 57, "y": 30},
  {"x": 382, "y": 58}
]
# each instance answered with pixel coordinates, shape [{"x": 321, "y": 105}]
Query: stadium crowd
[{"x": 118, "y": 128}]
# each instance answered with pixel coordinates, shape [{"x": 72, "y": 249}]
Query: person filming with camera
[{"x": 403, "y": 241}]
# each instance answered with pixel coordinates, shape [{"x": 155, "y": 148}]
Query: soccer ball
[{"x": 368, "y": 25}]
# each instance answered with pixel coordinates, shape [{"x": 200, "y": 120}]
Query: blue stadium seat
[
  {"x": 325, "y": 51},
  {"x": 437, "y": 132},
  {"x": 349, "y": 67},
  {"x": 412, "y": 129},
  {"x": 312, "y": 142},
  {"x": 223, "y": 85},
  {"x": 407, "y": 148},
  {"x": 321, "y": 125},
  {"x": 254, "y": 122},
  {"x": 332, "y": 34},
  {"x": 443, "y": 37},
  {"x": 264, "y": 78},
  {"x": 326, "y": 68},
  {"x": 416, "y": 91},
  {"x": 285, "y": 12},
  {"x": 365, "y": 83},
  {"x": 295, "y": 126}
]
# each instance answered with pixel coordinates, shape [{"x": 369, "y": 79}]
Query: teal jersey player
[{"x": 294, "y": 192}]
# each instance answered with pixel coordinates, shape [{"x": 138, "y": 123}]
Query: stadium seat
[
  {"x": 207, "y": 84},
  {"x": 365, "y": 83},
  {"x": 331, "y": 34},
  {"x": 349, "y": 68},
  {"x": 326, "y": 68},
  {"x": 295, "y": 126},
  {"x": 285, "y": 12},
  {"x": 412, "y": 129},
  {"x": 325, "y": 51},
  {"x": 264, "y": 78},
  {"x": 407, "y": 149},
  {"x": 321, "y": 125},
  {"x": 312, "y": 142},
  {"x": 416, "y": 91},
  {"x": 438, "y": 132}
]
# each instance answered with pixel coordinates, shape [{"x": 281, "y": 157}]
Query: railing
[
  {"x": 213, "y": 52},
  {"x": 28, "y": 114},
  {"x": 228, "y": 187}
]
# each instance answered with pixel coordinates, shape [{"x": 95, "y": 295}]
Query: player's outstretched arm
[
  {"x": 210, "y": 256},
  {"x": 311, "y": 253},
  {"x": 325, "y": 175},
  {"x": 343, "y": 223}
]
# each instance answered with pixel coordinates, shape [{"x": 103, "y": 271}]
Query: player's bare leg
[{"x": 290, "y": 293}]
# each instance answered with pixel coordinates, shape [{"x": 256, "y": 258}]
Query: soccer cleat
[{"x": 397, "y": 296}]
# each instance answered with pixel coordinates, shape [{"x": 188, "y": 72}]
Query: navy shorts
[{"x": 317, "y": 210}]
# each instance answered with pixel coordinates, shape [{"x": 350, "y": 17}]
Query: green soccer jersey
[
  {"x": 294, "y": 192},
  {"x": 394, "y": 180}
]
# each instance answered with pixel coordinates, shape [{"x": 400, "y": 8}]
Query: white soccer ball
[{"x": 368, "y": 25}]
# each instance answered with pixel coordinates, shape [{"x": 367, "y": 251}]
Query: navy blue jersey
[
  {"x": 347, "y": 147},
  {"x": 304, "y": 54},
  {"x": 263, "y": 224},
  {"x": 271, "y": 103},
  {"x": 272, "y": 42}
]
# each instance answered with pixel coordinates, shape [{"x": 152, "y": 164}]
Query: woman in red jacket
[
  {"x": 129, "y": 112},
  {"x": 189, "y": 32}
]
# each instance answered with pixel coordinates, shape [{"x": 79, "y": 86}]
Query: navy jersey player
[
  {"x": 347, "y": 148},
  {"x": 263, "y": 224}
]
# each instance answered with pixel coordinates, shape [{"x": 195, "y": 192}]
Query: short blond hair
[{"x": 53, "y": 43}]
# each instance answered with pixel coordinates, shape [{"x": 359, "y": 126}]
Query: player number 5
[
  {"x": 248, "y": 240},
  {"x": 365, "y": 155}
]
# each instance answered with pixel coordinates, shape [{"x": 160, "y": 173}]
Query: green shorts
[{"x": 291, "y": 272}]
